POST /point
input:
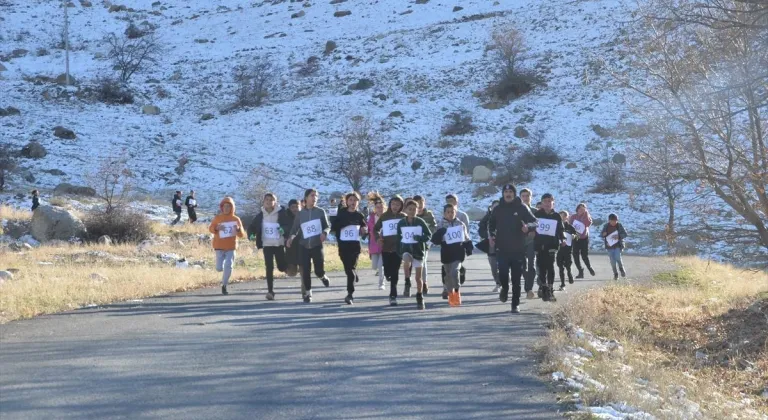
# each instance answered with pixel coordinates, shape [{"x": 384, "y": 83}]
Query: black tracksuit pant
[
  {"x": 307, "y": 257},
  {"x": 349, "y": 260},
  {"x": 392, "y": 263},
  {"x": 564, "y": 263},
  {"x": 272, "y": 255},
  {"x": 545, "y": 261}
]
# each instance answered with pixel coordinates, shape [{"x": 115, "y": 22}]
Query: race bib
[
  {"x": 612, "y": 239},
  {"x": 270, "y": 231},
  {"x": 333, "y": 212},
  {"x": 192, "y": 203},
  {"x": 311, "y": 228},
  {"x": 389, "y": 227},
  {"x": 454, "y": 235},
  {"x": 547, "y": 227},
  {"x": 579, "y": 227},
  {"x": 227, "y": 229},
  {"x": 410, "y": 234},
  {"x": 568, "y": 239},
  {"x": 178, "y": 203},
  {"x": 350, "y": 233}
]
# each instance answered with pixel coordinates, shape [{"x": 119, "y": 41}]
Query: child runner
[
  {"x": 614, "y": 234},
  {"x": 581, "y": 221},
  {"x": 483, "y": 231},
  {"x": 35, "y": 199},
  {"x": 349, "y": 226},
  {"x": 454, "y": 200},
  {"x": 268, "y": 231},
  {"x": 311, "y": 226},
  {"x": 292, "y": 252},
  {"x": 226, "y": 228},
  {"x": 549, "y": 237},
  {"x": 191, "y": 204},
  {"x": 176, "y": 205},
  {"x": 374, "y": 249},
  {"x": 385, "y": 233},
  {"x": 429, "y": 218},
  {"x": 413, "y": 235},
  {"x": 452, "y": 236},
  {"x": 564, "y": 253}
]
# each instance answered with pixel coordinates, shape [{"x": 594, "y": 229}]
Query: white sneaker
[
  {"x": 381, "y": 286},
  {"x": 497, "y": 288}
]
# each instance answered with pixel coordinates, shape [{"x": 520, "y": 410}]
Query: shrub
[
  {"x": 122, "y": 225},
  {"x": 538, "y": 153},
  {"x": 459, "y": 122},
  {"x": 511, "y": 86},
  {"x": 111, "y": 91},
  {"x": 610, "y": 178},
  {"x": 309, "y": 67},
  {"x": 133, "y": 31},
  {"x": 130, "y": 56},
  {"x": 253, "y": 81},
  {"x": 509, "y": 51}
]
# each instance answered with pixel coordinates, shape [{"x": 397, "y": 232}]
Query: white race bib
[
  {"x": 547, "y": 227},
  {"x": 389, "y": 227},
  {"x": 311, "y": 228},
  {"x": 410, "y": 233},
  {"x": 227, "y": 229},
  {"x": 350, "y": 233},
  {"x": 333, "y": 212},
  {"x": 192, "y": 203},
  {"x": 270, "y": 231},
  {"x": 454, "y": 235},
  {"x": 178, "y": 203},
  {"x": 613, "y": 238},
  {"x": 568, "y": 239},
  {"x": 579, "y": 227}
]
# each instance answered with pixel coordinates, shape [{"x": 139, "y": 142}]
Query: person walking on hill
[
  {"x": 35, "y": 199},
  {"x": 176, "y": 205},
  {"x": 191, "y": 204}
]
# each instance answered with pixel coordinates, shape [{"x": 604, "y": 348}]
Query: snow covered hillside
[{"x": 425, "y": 59}]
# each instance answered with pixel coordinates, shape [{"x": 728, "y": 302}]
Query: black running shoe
[
  {"x": 581, "y": 274},
  {"x": 503, "y": 295},
  {"x": 445, "y": 294},
  {"x": 326, "y": 281},
  {"x": 307, "y": 298},
  {"x": 224, "y": 290},
  {"x": 515, "y": 309},
  {"x": 349, "y": 300},
  {"x": 393, "y": 301},
  {"x": 407, "y": 289},
  {"x": 425, "y": 288},
  {"x": 420, "y": 301},
  {"x": 591, "y": 271},
  {"x": 545, "y": 294}
]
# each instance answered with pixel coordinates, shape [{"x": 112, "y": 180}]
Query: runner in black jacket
[
  {"x": 350, "y": 226},
  {"x": 507, "y": 228},
  {"x": 191, "y": 204},
  {"x": 176, "y": 205},
  {"x": 549, "y": 236}
]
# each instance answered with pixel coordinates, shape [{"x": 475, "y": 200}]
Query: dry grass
[
  {"x": 713, "y": 309},
  {"x": 77, "y": 277},
  {"x": 14, "y": 213}
]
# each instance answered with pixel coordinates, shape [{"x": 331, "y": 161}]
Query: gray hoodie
[{"x": 308, "y": 220}]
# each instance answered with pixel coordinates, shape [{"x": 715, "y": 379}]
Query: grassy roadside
[
  {"x": 693, "y": 343},
  {"x": 52, "y": 279}
]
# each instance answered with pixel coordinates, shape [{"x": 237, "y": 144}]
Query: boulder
[
  {"x": 62, "y": 79},
  {"x": 416, "y": 165},
  {"x": 485, "y": 191},
  {"x": 468, "y": 163},
  {"x": 33, "y": 150},
  {"x": 298, "y": 14},
  {"x": 29, "y": 240},
  {"x": 521, "y": 132},
  {"x": 619, "y": 159},
  {"x": 475, "y": 214},
  {"x": 342, "y": 13},
  {"x": 69, "y": 189},
  {"x": 57, "y": 172},
  {"x": 6, "y": 275},
  {"x": 685, "y": 246},
  {"x": 395, "y": 114},
  {"x": 457, "y": 8},
  {"x": 9, "y": 111},
  {"x": 2, "y": 67},
  {"x": 362, "y": 84},
  {"x": 570, "y": 165},
  {"x": 150, "y": 110},
  {"x": 50, "y": 222},
  {"x": 330, "y": 47},
  {"x": 206, "y": 117},
  {"x": 104, "y": 240},
  {"x": 19, "y": 52},
  {"x": 16, "y": 229},
  {"x": 64, "y": 133},
  {"x": 481, "y": 174}
]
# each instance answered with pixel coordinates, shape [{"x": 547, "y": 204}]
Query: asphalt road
[{"x": 201, "y": 355}]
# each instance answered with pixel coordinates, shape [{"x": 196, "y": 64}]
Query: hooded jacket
[
  {"x": 569, "y": 230},
  {"x": 545, "y": 242},
  {"x": 422, "y": 242},
  {"x": 226, "y": 239},
  {"x": 506, "y": 223},
  {"x": 176, "y": 203},
  {"x": 373, "y": 246},
  {"x": 608, "y": 230},
  {"x": 429, "y": 219},
  {"x": 188, "y": 202},
  {"x": 586, "y": 219},
  {"x": 390, "y": 242},
  {"x": 278, "y": 215},
  {"x": 450, "y": 253},
  {"x": 305, "y": 216},
  {"x": 343, "y": 219}
]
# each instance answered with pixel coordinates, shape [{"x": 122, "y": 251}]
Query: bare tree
[
  {"x": 112, "y": 180},
  {"x": 7, "y": 164},
  {"x": 254, "y": 82},
  {"x": 354, "y": 154},
  {"x": 132, "y": 55},
  {"x": 259, "y": 181},
  {"x": 508, "y": 45},
  {"x": 709, "y": 79}
]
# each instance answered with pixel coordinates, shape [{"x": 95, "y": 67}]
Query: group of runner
[{"x": 521, "y": 241}]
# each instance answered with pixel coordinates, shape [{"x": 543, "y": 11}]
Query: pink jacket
[
  {"x": 373, "y": 246},
  {"x": 586, "y": 219}
]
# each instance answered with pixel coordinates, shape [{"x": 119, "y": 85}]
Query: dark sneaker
[
  {"x": 591, "y": 271},
  {"x": 420, "y": 301},
  {"x": 615, "y": 276},
  {"x": 270, "y": 295},
  {"x": 552, "y": 298},
  {"x": 445, "y": 294},
  {"x": 349, "y": 300},
  {"x": 307, "y": 298},
  {"x": 570, "y": 278},
  {"x": 545, "y": 294},
  {"x": 326, "y": 281},
  {"x": 357, "y": 279},
  {"x": 515, "y": 309},
  {"x": 540, "y": 293},
  {"x": 425, "y": 289},
  {"x": 562, "y": 287},
  {"x": 224, "y": 290},
  {"x": 580, "y": 275},
  {"x": 503, "y": 296},
  {"x": 623, "y": 273},
  {"x": 393, "y": 301},
  {"x": 407, "y": 289},
  {"x": 529, "y": 295}
]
